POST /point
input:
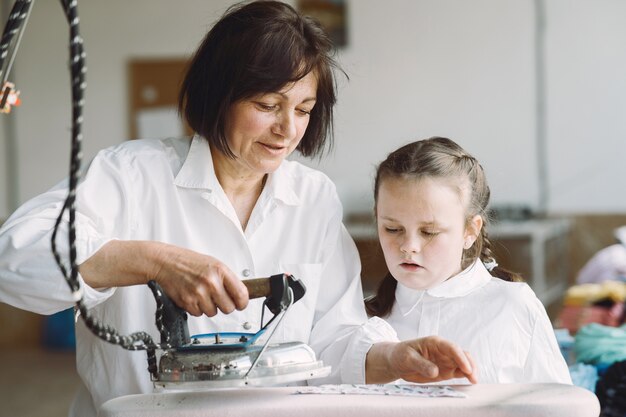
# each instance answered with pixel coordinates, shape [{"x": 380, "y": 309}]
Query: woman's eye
[
  {"x": 304, "y": 112},
  {"x": 266, "y": 107},
  {"x": 430, "y": 233},
  {"x": 391, "y": 230}
]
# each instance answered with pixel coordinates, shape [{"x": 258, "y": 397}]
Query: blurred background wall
[{"x": 463, "y": 69}]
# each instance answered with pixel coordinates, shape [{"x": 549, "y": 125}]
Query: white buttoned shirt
[
  {"x": 166, "y": 190},
  {"x": 503, "y": 325}
]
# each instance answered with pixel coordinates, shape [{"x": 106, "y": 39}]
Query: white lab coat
[
  {"x": 502, "y": 324},
  {"x": 166, "y": 190}
]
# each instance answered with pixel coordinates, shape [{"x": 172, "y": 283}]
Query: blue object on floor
[
  {"x": 566, "y": 344},
  {"x": 584, "y": 375},
  {"x": 58, "y": 331}
]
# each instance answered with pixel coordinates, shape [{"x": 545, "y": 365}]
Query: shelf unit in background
[{"x": 538, "y": 249}]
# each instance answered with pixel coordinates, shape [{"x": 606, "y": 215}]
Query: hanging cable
[
  {"x": 18, "y": 18},
  {"x": 15, "y": 26},
  {"x": 16, "y": 22},
  {"x": 134, "y": 341}
]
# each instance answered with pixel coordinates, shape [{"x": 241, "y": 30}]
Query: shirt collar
[
  {"x": 198, "y": 172},
  {"x": 468, "y": 280}
]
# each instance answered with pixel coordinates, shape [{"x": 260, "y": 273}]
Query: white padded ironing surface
[{"x": 483, "y": 400}]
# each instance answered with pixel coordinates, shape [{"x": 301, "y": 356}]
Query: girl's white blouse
[{"x": 502, "y": 324}]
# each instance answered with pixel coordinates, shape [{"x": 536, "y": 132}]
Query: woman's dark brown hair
[
  {"x": 258, "y": 48},
  {"x": 444, "y": 159}
]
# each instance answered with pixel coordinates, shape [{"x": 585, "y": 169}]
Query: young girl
[{"x": 431, "y": 198}]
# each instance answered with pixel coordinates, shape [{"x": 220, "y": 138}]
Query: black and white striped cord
[
  {"x": 16, "y": 23},
  {"x": 78, "y": 69},
  {"x": 134, "y": 341}
]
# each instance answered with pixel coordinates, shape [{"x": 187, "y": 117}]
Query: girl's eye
[
  {"x": 391, "y": 230},
  {"x": 430, "y": 233}
]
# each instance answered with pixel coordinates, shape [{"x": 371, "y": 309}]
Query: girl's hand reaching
[{"x": 424, "y": 360}]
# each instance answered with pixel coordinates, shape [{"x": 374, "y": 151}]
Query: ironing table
[{"x": 493, "y": 400}]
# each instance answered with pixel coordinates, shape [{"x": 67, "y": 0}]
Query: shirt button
[
  {"x": 206, "y": 195},
  {"x": 246, "y": 326},
  {"x": 245, "y": 272}
]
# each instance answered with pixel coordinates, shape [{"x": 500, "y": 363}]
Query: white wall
[
  {"x": 437, "y": 68},
  {"x": 417, "y": 68},
  {"x": 114, "y": 31},
  {"x": 587, "y": 105},
  {"x": 4, "y": 186}
]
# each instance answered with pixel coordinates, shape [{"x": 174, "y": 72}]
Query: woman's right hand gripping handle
[{"x": 199, "y": 284}]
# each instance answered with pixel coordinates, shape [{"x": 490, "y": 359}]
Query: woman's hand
[
  {"x": 428, "y": 359},
  {"x": 200, "y": 284},
  {"x": 197, "y": 283}
]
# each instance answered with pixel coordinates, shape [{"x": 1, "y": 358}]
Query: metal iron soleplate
[
  {"x": 196, "y": 369},
  {"x": 222, "y": 341}
]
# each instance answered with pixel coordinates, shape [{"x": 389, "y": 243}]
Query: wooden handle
[{"x": 258, "y": 287}]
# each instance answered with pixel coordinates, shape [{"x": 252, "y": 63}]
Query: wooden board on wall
[{"x": 154, "y": 83}]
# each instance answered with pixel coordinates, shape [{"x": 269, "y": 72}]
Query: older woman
[{"x": 201, "y": 214}]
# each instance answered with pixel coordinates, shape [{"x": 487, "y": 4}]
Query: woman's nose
[{"x": 285, "y": 125}]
